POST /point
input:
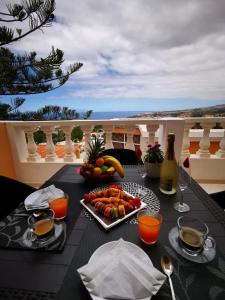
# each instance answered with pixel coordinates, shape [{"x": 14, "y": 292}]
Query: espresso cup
[
  {"x": 193, "y": 235},
  {"x": 41, "y": 225}
]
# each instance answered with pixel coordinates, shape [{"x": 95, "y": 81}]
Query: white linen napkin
[
  {"x": 121, "y": 274},
  {"x": 40, "y": 199}
]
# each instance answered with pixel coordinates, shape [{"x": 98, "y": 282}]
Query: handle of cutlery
[{"x": 172, "y": 290}]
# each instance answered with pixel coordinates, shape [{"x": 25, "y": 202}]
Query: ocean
[{"x": 100, "y": 115}]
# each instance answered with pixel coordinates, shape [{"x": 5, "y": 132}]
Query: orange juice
[
  {"x": 149, "y": 227},
  {"x": 60, "y": 207}
]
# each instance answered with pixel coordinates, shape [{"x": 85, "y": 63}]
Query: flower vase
[{"x": 152, "y": 169}]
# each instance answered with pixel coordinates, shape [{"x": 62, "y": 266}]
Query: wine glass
[
  {"x": 141, "y": 170},
  {"x": 181, "y": 206},
  {"x": 140, "y": 165}
]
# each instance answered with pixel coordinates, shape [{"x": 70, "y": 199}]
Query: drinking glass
[
  {"x": 149, "y": 224},
  {"x": 60, "y": 207},
  {"x": 194, "y": 236},
  {"x": 181, "y": 206},
  {"x": 41, "y": 226}
]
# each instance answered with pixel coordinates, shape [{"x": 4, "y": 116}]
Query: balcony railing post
[
  {"x": 151, "y": 133},
  {"x": 87, "y": 137},
  {"x": 69, "y": 149},
  {"x": 108, "y": 136},
  {"x": 31, "y": 145},
  {"x": 221, "y": 152},
  {"x": 175, "y": 125},
  {"x": 130, "y": 134},
  {"x": 186, "y": 142},
  {"x": 50, "y": 147},
  {"x": 204, "y": 142}
]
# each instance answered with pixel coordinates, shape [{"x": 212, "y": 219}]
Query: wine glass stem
[{"x": 181, "y": 198}]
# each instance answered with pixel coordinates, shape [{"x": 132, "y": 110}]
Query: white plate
[
  {"x": 108, "y": 223},
  {"x": 134, "y": 249}
]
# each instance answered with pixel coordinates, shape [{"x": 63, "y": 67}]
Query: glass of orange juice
[
  {"x": 60, "y": 207},
  {"x": 149, "y": 224}
]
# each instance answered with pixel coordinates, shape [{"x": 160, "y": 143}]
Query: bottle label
[{"x": 167, "y": 185}]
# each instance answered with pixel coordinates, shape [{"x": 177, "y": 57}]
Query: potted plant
[{"x": 152, "y": 160}]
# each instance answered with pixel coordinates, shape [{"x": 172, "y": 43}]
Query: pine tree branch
[
  {"x": 79, "y": 65},
  {"x": 28, "y": 32},
  {"x": 34, "y": 92},
  {"x": 4, "y": 14},
  {"x": 13, "y": 20},
  {"x": 45, "y": 9}
]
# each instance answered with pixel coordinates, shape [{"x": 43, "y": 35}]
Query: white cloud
[{"x": 139, "y": 48}]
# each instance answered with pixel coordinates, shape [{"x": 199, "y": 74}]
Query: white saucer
[
  {"x": 58, "y": 229},
  {"x": 134, "y": 249},
  {"x": 204, "y": 257}
]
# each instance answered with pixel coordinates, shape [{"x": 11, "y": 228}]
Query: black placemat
[
  {"x": 14, "y": 228},
  {"x": 187, "y": 278}
]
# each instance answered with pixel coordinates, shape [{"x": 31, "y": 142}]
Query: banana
[
  {"x": 111, "y": 169},
  {"x": 112, "y": 161},
  {"x": 107, "y": 156}
]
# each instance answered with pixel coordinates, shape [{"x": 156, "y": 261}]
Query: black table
[{"x": 41, "y": 275}]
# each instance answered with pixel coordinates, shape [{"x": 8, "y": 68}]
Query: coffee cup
[
  {"x": 41, "y": 225},
  {"x": 194, "y": 235}
]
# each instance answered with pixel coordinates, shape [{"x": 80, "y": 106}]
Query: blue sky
[
  {"x": 34, "y": 102},
  {"x": 138, "y": 55}
]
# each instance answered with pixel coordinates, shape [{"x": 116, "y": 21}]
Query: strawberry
[
  {"x": 89, "y": 197},
  {"x": 131, "y": 202},
  {"x": 137, "y": 202},
  {"x": 186, "y": 163}
]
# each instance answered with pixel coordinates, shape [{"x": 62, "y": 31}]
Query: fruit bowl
[
  {"x": 99, "y": 166},
  {"x": 93, "y": 172}
]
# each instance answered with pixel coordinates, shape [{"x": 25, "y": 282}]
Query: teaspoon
[
  {"x": 168, "y": 270},
  {"x": 35, "y": 214}
]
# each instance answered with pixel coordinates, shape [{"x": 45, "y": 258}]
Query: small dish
[{"x": 204, "y": 257}]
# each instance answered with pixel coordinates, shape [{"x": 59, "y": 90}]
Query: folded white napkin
[
  {"x": 40, "y": 199},
  {"x": 121, "y": 273}
]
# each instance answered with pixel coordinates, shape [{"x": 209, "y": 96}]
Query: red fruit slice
[
  {"x": 87, "y": 197},
  {"x": 137, "y": 202},
  {"x": 186, "y": 163},
  {"x": 132, "y": 203},
  {"x": 115, "y": 186}
]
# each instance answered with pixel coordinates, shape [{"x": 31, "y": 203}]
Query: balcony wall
[
  {"x": 6, "y": 161},
  {"x": 31, "y": 168}
]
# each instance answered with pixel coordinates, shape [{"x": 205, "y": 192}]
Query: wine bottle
[{"x": 169, "y": 169}]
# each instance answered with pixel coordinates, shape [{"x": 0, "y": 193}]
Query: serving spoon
[{"x": 168, "y": 270}]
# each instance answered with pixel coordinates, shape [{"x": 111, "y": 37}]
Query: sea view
[
  {"x": 216, "y": 111},
  {"x": 105, "y": 115}
]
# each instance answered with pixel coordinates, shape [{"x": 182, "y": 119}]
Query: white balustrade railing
[{"x": 27, "y": 159}]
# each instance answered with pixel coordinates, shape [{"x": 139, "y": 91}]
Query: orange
[
  {"x": 97, "y": 171},
  {"x": 99, "y": 161}
]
